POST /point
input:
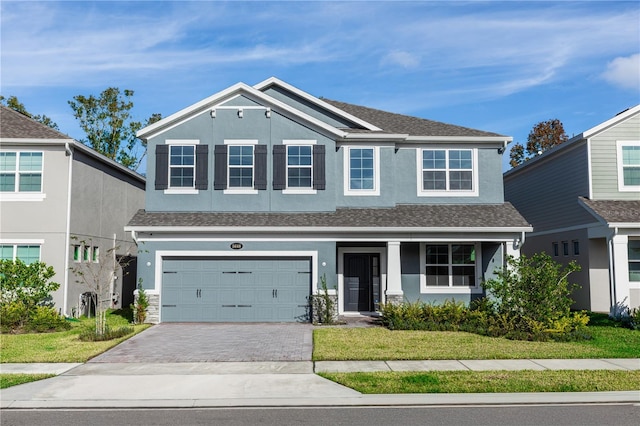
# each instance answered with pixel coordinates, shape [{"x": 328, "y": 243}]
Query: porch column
[
  {"x": 620, "y": 254},
  {"x": 513, "y": 248},
  {"x": 394, "y": 277}
]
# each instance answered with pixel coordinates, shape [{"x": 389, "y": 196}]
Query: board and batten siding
[
  {"x": 546, "y": 193},
  {"x": 604, "y": 162}
]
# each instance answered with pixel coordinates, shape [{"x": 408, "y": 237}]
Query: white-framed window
[
  {"x": 27, "y": 252},
  {"x": 450, "y": 268},
  {"x": 21, "y": 175},
  {"x": 240, "y": 166},
  {"x": 634, "y": 260},
  {"x": 182, "y": 166},
  {"x": 447, "y": 172},
  {"x": 86, "y": 253},
  {"x": 77, "y": 253},
  {"x": 299, "y": 166},
  {"x": 628, "y": 154},
  {"x": 95, "y": 254},
  {"x": 362, "y": 170}
]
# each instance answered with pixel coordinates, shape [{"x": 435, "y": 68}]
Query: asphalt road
[{"x": 565, "y": 415}]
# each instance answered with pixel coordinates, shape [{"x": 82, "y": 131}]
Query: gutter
[{"x": 67, "y": 242}]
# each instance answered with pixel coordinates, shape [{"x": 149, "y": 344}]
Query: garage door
[{"x": 235, "y": 290}]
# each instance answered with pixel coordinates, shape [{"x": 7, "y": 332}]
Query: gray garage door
[{"x": 235, "y": 290}]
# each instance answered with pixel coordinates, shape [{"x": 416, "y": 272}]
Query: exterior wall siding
[
  {"x": 604, "y": 160},
  {"x": 546, "y": 193}
]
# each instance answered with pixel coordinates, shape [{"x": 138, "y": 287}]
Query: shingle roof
[
  {"x": 14, "y": 125},
  {"x": 402, "y": 216},
  {"x": 397, "y": 123},
  {"x": 615, "y": 211}
]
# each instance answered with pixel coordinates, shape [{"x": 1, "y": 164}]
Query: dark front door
[{"x": 361, "y": 281}]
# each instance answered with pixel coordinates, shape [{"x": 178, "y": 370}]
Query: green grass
[
  {"x": 61, "y": 346},
  {"x": 488, "y": 381},
  {"x": 8, "y": 380},
  {"x": 378, "y": 343}
]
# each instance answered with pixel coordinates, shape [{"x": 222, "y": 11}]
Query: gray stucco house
[
  {"x": 257, "y": 192},
  {"x": 64, "y": 204},
  {"x": 583, "y": 199}
]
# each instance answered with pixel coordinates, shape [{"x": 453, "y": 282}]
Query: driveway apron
[{"x": 205, "y": 342}]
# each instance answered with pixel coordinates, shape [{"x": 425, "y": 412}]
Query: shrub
[
  {"x": 91, "y": 335},
  {"x": 30, "y": 284},
  {"x": 141, "y": 305},
  {"x": 323, "y": 304},
  {"x": 13, "y": 316},
  {"x": 45, "y": 319}
]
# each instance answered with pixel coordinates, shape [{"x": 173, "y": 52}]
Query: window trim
[
  {"x": 633, "y": 283},
  {"x": 620, "y": 166},
  {"x": 451, "y": 289},
  {"x": 181, "y": 189},
  {"x": 474, "y": 192},
  {"x": 298, "y": 190},
  {"x": 347, "y": 172},
  {"x": 235, "y": 189},
  {"x": 17, "y": 195}
]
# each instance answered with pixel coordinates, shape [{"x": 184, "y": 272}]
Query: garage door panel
[{"x": 246, "y": 289}]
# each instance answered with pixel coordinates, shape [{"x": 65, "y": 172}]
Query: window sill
[
  {"x": 173, "y": 191},
  {"x": 22, "y": 196},
  {"x": 300, "y": 191},
  {"x": 236, "y": 191},
  {"x": 630, "y": 188},
  {"x": 369, "y": 193},
  {"x": 448, "y": 194}
]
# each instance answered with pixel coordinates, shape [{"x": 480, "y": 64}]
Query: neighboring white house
[
  {"x": 583, "y": 199},
  {"x": 55, "y": 193}
]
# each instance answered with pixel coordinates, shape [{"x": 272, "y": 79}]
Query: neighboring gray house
[
  {"x": 56, "y": 193},
  {"x": 583, "y": 199},
  {"x": 257, "y": 193}
]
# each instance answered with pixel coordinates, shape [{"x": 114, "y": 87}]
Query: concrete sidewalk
[{"x": 270, "y": 384}]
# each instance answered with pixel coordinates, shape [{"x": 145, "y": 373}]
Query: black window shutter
[
  {"x": 220, "y": 164},
  {"x": 279, "y": 166},
  {"x": 319, "y": 180},
  {"x": 202, "y": 166},
  {"x": 260, "y": 158},
  {"x": 162, "y": 166}
]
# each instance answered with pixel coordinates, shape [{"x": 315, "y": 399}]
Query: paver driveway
[{"x": 202, "y": 342}]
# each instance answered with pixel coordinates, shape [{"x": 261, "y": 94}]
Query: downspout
[
  {"x": 612, "y": 272},
  {"x": 67, "y": 242}
]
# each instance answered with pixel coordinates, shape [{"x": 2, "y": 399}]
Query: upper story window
[
  {"x": 447, "y": 172},
  {"x": 628, "y": 165},
  {"x": 299, "y": 166},
  {"x": 182, "y": 166},
  {"x": 21, "y": 174},
  {"x": 28, "y": 253},
  {"x": 240, "y": 166},
  {"x": 361, "y": 170}
]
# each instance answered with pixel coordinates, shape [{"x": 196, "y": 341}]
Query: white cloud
[
  {"x": 401, "y": 58},
  {"x": 624, "y": 72}
]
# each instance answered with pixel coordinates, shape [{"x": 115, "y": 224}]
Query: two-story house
[
  {"x": 258, "y": 192},
  {"x": 64, "y": 204},
  {"x": 583, "y": 199}
]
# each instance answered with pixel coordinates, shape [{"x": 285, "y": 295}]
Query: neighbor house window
[
  {"x": 182, "y": 166},
  {"x": 447, "y": 172},
  {"x": 26, "y": 253},
  {"x": 634, "y": 260},
  {"x": 450, "y": 265},
  {"x": 20, "y": 171},
  {"x": 362, "y": 167},
  {"x": 565, "y": 248},
  {"x": 556, "y": 249},
  {"x": 628, "y": 165},
  {"x": 576, "y": 247},
  {"x": 86, "y": 253},
  {"x": 95, "y": 254},
  {"x": 77, "y": 250}
]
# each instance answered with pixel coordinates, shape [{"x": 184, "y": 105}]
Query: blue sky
[{"x": 495, "y": 66}]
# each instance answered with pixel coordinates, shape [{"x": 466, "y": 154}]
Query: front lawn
[
  {"x": 8, "y": 380},
  {"x": 378, "y": 343},
  {"x": 488, "y": 381},
  {"x": 63, "y": 346}
]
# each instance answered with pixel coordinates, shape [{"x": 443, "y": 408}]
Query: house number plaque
[{"x": 236, "y": 246}]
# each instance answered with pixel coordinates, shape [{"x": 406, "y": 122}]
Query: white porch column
[
  {"x": 512, "y": 248},
  {"x": 620, "y": 262},
  {"x": 394, "y": 277}
]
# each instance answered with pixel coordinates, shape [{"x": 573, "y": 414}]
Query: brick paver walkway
[{"x": 201, "y": 342}]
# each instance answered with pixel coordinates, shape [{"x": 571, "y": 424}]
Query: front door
[{"x": 361, "y": 282}]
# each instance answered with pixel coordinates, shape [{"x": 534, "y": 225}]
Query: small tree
[
  {"x": 97, "y": 275},
  {"x": 544, "y": 135},
  {"x": 534, "y": 288},
  {"x": 141, "y": 305}
]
